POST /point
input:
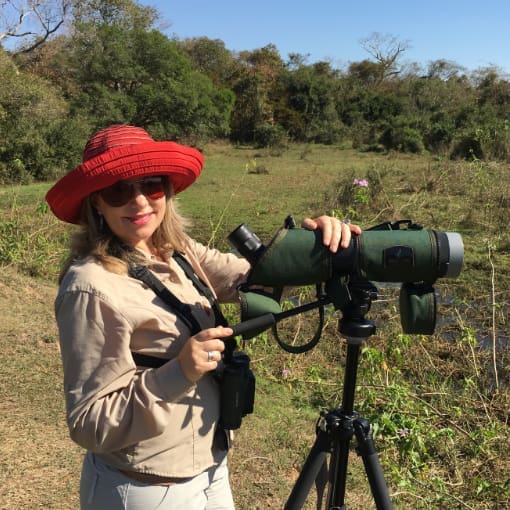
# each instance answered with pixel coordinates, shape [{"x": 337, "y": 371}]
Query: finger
[
  {"x": 309, "y": 224},
  {"x": 217, "y": 332},
  {"x": 355, "y": 229},
  {"x": 341, "y": 234},
  {"x": 335, "y": 233},
  {"x": 213, "y": 356},
  {"x": 216, "y": 345},
  {"x": 348, "y": 230},
  {"x": 333, "y": 240},
  {"x": 346, "y": 235},
  {"x": 327, "y": 225}
]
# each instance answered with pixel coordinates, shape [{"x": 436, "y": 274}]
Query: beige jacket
[{"x": 148, "y": 420}]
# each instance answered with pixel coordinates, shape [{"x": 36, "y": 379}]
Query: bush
[
  {"x": 402, "y": 139},
  {"x": 467, "y": 147},
  {"x": 439, "y": 135},
  {"x": 268, "y": 135}
]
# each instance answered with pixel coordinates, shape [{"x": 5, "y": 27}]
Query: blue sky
[{"x": 471, "y": 33}]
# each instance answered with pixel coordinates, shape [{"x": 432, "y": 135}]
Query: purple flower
[
  {"x": 285, "y": 372},
  {"x": 404, "y": 432},
  {"x": 362, "y": 183}
]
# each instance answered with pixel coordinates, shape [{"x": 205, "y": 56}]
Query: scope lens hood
[{"x": 456, "y": 248}]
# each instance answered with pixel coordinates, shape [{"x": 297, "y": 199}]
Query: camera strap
[
  {"x": 182, "y": 310},
  {"x": 202, "y": 287}
]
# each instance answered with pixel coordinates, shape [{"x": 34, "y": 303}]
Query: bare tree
[
  {"x": 444, "y": 69},
  {"x": 386, "y": 49},
  {"x": 29, "y": 23}
]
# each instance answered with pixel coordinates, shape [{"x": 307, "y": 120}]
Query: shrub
[
  {"x": 402, "y": 139},
  {"x": 467, "y": 147},
  {"x": 268, "y": 135}
]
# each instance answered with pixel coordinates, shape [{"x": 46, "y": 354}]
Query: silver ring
[
  {"x": 346, "y": 221},
  {"x": 210, "y": 355}
]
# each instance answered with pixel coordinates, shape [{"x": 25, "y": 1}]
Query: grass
[{"x": 439, "y": 404}]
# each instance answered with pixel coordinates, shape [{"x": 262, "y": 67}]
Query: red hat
[{"x": 122, "y": 152}]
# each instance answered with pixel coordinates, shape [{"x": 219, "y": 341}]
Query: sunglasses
[{"x": 122, "y": 192}]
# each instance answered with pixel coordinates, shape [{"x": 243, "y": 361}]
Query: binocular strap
[{"x": 182, "y": 310}]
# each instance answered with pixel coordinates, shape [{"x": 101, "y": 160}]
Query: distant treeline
[{"x": 112, "y": 66}]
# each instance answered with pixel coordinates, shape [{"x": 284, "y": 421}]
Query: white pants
[{"x": 105, "y": 488}]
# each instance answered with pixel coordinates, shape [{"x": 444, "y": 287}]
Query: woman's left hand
[{"x": 335, "y": 233}]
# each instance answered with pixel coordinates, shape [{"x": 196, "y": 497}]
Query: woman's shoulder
[
  {"x": 90, "y": 275},
  {"x": 83, "y": 266},
  {"x": 88, "y": 285}
]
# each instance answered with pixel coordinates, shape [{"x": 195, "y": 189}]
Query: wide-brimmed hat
[{"x": 122, "y": 152}]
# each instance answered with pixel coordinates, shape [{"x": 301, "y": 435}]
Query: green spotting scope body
[
  {"x": 298, "y": 257},
  {"x": 414, "y": 257}
]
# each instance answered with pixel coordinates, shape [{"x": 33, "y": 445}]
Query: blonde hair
[{"x": 98, "y": 241}]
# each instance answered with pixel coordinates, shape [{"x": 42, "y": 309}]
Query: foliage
[
  {"x": 402, "y": 138},
  {"x": 270, "y": 136},
  {"x": 29, "y": 235},
  {"x": 252, "y": 84},
  {"x": 32, "y": 112},
  {"x": 211, "y": 58},
  {"x": 306, "y": 104},
  {"x": 112, "y": 65},
  {"x": 139, "y": 77}
]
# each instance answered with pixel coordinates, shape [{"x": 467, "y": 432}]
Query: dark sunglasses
[{"x": 122, "y": 192}]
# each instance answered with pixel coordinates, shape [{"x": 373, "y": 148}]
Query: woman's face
[{"x": 134, "y": 209}]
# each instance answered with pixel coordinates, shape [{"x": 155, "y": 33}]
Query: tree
[
  {"x": 444, "y": 69},
  {"x": 30, "y": 23},
  {"x": 210, "y": 57},
  {"x": 31, "y": 113},
  {"x": 366, "y": 72},
  {"x": 307, "y": 103},
  {"x": 387, "y": 50},
  {"x": 127, "y": 72},
  {"x": 257, "y": 74},
  {"x": 124, "y": 14}
]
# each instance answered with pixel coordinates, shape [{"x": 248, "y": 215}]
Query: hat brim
[{"x": 180, "y": 163}]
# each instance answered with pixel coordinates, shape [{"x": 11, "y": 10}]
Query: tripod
[{"x": 336, "y": 427}]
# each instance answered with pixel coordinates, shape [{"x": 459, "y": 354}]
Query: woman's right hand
[{"x": 202, "y": 352}]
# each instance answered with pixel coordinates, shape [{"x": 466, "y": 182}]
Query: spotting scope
[
  {"x": 401, "y": 252},
  {"x": 386, "y": 253}
]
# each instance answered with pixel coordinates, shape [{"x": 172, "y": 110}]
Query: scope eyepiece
[{"x": 247, "y": 243}]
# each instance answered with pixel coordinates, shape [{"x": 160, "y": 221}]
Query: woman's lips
[{"x": 141, "y": 219}]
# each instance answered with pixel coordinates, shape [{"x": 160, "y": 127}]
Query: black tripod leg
[
  {"x": 321, "y": 482},
  {"x": 313, "y": 466},
  {"x": 338, "y": 474},
  {"x": 366, "y": 450}
]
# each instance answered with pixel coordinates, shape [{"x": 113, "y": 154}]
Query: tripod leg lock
[{"x": 363, "y": 432}]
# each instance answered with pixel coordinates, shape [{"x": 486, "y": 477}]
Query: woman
[{"x": 151, "y": 434}]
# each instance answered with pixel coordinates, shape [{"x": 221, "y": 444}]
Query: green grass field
[{"x": 439, "y": 404}]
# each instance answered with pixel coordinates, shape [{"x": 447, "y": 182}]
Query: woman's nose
[{"x": 138, "y": 196}]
